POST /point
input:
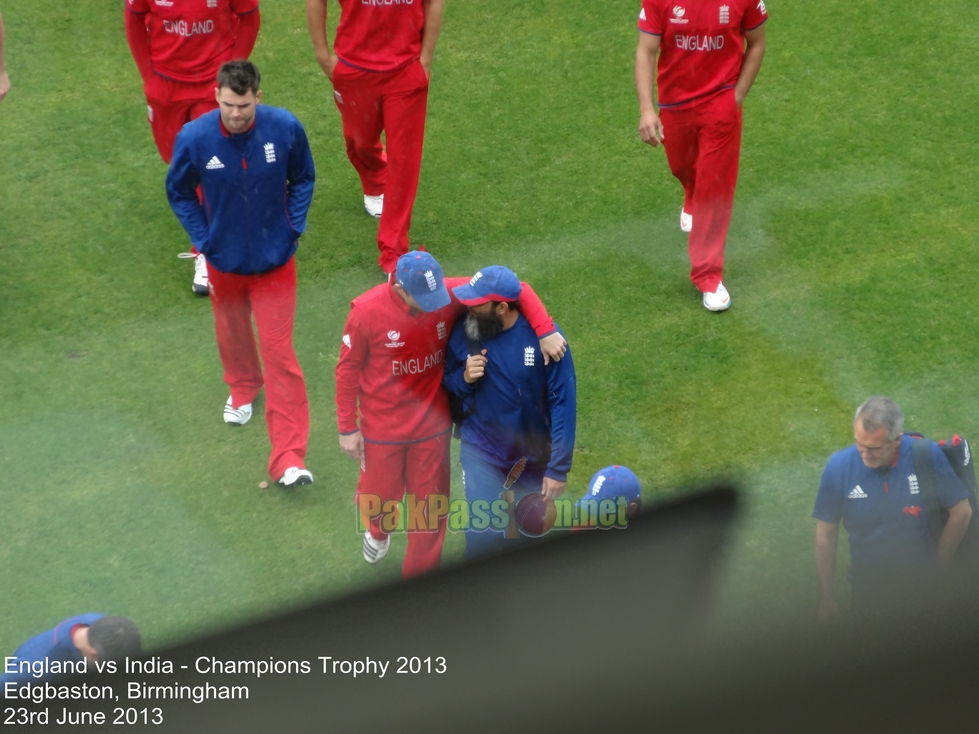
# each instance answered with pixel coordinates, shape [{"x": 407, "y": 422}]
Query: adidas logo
[
  {"x": 857, "y": 494},
  {"x": 214, "y": 163}
]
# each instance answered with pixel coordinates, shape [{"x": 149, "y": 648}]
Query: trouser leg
[
  {"x": 489, "y": 515},
  {"x": 404, "y": 105},
  {"x": 427, "y": 479},
  {"x": 717, "y": 165},
  {"x": 358, "y": 98},
  {"x": 273, "y": 298},
  {"x": 235, "y": 337},
  {"x": 680, "y": 141}
]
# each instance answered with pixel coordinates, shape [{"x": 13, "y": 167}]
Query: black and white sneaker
[
  {"x": 296, "y": 477},
  {"x": 374, "y": 205},
  {"x": 375, "y": 550},
  {"x": 237, "y": 416},
  {"x": 199, "y": 284}
]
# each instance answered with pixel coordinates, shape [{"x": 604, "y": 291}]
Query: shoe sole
[
  {"x": 372, "y": 216},
  {"x": 718, "y": 310},
  {"x": 200, "y": 290}
]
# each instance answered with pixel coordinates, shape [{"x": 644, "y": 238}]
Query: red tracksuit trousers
[
  {"x": 412, "y": 472},
  {"x": 703, "y": 144},
  {"x": 271, "y": 299},
  {"x": 394, "y": 102}
]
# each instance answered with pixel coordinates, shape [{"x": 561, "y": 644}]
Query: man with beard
[{"x": 519, "y": 412}]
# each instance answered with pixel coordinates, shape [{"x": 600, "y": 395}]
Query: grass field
[{"x": 850, "y": 262}]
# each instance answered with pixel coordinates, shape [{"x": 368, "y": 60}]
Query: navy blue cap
[
  {"x": 495, "y": 283},
  {"x": 421, "y": 276},
  {"x": 612, "y": 482}
]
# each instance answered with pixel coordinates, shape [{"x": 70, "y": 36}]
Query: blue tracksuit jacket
[
  {"x": 257, "y": 187},
  {"x": 55, "y": 644},
  {"x": 522, "y": 408}
]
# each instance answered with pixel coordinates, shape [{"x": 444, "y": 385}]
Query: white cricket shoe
[
  {"x": 686, "y": 221},
  {"x": 199, "y": 284},
  {"x": 296, "y": 477},
  {"x": 375, "y": 550},
  {"x": 374, "y": 205},
  {"x": 719, "y": 300},
  {"x": 237, "y": 416}
]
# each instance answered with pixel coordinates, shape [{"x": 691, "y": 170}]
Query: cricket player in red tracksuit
[
  {"x": 391, "y": 361},
  {"x": 704, "y": 73},
  {"x": 178, "y": 46},
  {"x": 379, "y": 68}
]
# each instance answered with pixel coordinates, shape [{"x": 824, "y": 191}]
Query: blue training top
[
  {"x": 522, "y": 407},
  {"x": 55, "y": 645},
  {"x": 882, "y": 509},
  {"x": 256, "y": 188}
]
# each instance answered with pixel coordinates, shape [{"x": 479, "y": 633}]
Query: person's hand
[
  {"x": 329, "y": 62},
  {"x": 651, "y": 128},
  {"x": 738, "y": 97},
  {"x": 475, "y": 367},
  {"x": 553, "y": 346},
  {"x": 353, "y": 445},
  {"x": 829, "y": 610},
  {"x": 427, "y": 66},
  {"x": 553, "y": 488},
  {"x": 4, "y": 85}
]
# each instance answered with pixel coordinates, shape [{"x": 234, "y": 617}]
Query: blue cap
[
  {"x": 421, "y": 277},
  {"x": 612, "y": 482},
  {"x": 495, "y": 283}
]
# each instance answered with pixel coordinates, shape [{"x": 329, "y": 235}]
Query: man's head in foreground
[
  {"x": 108, "y": 638},
  {"x": 418, "y": 280},
  {"x": 238, "y": 94},
  {"x": 877, "y": 428},
  {"x": 492, "y": 297}
]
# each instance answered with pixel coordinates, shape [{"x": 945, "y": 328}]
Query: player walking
[
  {"x": 391, "y": 360},
  {"x": 520, "y": 410},
  {"x": 178, "y": 46},
  {"x": 379, "y": 68},
  {"x": 255, "y": 172},
  {"x": 704, "y": 74}
]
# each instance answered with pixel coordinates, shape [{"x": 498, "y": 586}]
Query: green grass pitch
[{"x": 850, "y": 261}]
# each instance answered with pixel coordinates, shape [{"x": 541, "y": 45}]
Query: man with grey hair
[{"x": 872, "y": 488}]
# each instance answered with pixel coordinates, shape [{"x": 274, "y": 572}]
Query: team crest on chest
[
  {"x": 528, "y": 356},
  {"x": 212, "y": 3},
  {"x": 269, "y": 153},
  {"x": 724, "y": 17},
  {"x": 394, "y": 337},
  {"x": 440, "y": 329},
  {"x": 913, "y": 483}
]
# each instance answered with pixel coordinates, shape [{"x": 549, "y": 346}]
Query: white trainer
[
  {"x": 686, "y": 221},
  {"x": 375, "y": 550},
  {"x": 374, "y": 205},
  {"x": 296, "y": 477},
  {"x": 719, "y": 300},
  {"x": 199, "y": 284},
  {"x": 237, "y": 416}
]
